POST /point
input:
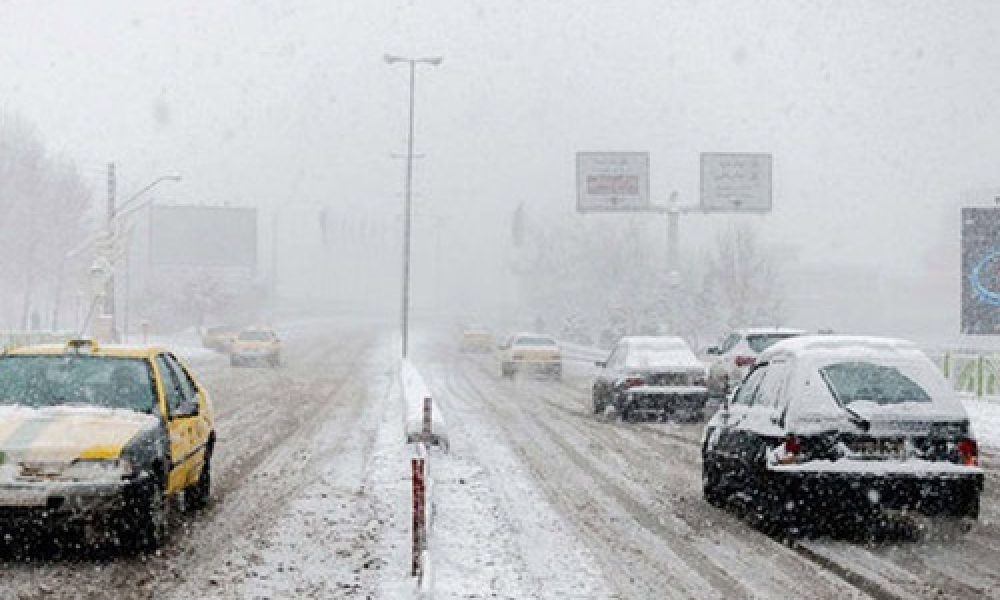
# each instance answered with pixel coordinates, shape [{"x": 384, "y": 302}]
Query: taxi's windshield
[
  {"x": 534, "y": 341},
  {"x": 76, "y": 380}
]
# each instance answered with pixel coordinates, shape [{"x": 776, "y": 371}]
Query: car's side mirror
[
  {"x": 601, "y": 363},
  {"x": 713, "y": 351}
]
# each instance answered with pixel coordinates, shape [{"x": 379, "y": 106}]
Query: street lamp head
[
  {"x": 429, "y": 60},
  {"x": 173, "y": 177}
]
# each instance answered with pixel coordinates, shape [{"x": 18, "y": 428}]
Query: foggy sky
[{"x": 879, "y": 115}]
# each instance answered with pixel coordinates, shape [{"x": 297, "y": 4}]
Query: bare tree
[
  {"x": 741, "y": 283},
  {"x": 43, "y": 205}
]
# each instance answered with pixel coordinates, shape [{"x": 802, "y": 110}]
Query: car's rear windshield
[
  {"x": 861, "y": 381},
  {"x": 256, "y": 336},
  {"x": 666, "y": 354},
  {"x": 759, "y": 342},
  {"x": 535, "y": 341},
  {"x": 83, "y": 380}
]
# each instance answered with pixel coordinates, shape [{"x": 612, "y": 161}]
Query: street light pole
[
  {"x": 407, "y": 212},
  {"x": 115, "y": 214}
]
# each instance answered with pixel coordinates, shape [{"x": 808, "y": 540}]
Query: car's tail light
[
  {"x": 631, "y": 382},
  {"x": 790, "y": 452},
  {"x": 743, "y": 361},
  {"x": 968, "y": 452}
]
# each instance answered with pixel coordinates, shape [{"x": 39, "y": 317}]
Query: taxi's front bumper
[{"x": 54, "y": 503}]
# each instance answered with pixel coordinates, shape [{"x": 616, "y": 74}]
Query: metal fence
[{"x": 970, "y": 372}]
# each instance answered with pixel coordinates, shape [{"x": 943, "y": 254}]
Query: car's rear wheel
[
  {"x": 599, "y": 405},
  {"x": 711, "y": 483},
  {"x": 628, "y": 412}
]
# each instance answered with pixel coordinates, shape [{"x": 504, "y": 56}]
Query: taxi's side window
[
  {"x": 171, "y": 386},
  {"x": 187, "y": 385}
]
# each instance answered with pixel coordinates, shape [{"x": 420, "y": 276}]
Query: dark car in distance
[{"x": 651, "y": 376}]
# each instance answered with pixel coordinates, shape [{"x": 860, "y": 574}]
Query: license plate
[
  {"x": 878, "y": 448},
  {"x": 23, "y": 498}
]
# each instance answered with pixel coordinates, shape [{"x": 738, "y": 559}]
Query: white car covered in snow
[
  {"x": 733, "y": 357},
  {"x": 827, "y": 428}
]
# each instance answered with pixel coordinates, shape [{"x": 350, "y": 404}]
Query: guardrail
[
  {"x": 970, "y": 373},
  {"x": 575, "y": 352}
]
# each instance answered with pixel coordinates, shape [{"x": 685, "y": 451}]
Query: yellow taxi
[
  {"x": 102, "y": 440},
  {"x": 531, "y": 352},
  {"x": 255, "y": 346}
]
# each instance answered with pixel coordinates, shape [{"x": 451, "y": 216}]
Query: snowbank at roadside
[{"x": 414, "y": 392}]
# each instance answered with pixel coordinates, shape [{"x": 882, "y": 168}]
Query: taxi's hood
[{"x": 62, "y": 434}]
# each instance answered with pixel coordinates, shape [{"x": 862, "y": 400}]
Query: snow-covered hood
[{"x": 62, "y": 434}]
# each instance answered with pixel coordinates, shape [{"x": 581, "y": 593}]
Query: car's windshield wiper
[{"x": 857, "y": 419}]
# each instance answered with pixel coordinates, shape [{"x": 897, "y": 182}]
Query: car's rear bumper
[
  {"x": 252, "y": 357},
  {"x": 666, "y": 399},
  {"x": 537, "y": 366},
  {"x": 946, "y": 491}
]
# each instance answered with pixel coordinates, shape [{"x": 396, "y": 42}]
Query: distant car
[
  {"x": 651, "y": 376},
  {"x": 531, "y": 352},
  {"x": 476, "y": 338},
  {"x": 732, "y": 359},
  {"x": 826, "y": 429},
  {"x": 256, "y": 346},
  {"x": 219, "y": 338},
  {"x": 98, "y": 440}
]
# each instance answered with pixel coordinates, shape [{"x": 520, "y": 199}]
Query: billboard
[
  {"x": 981, "y": 271},
  {"x": 735, "y": 182},
  {"x": 612, "y": 181},
  {"x": 203, "y": 236}
]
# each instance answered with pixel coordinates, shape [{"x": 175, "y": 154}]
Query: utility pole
[
  {"x": 109, "y": 293},
  {"x": 407, "y": 217}
]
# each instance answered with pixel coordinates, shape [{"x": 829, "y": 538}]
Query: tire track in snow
[{"x": 652, "y": 531}]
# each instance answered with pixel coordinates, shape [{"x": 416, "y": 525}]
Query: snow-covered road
[{"x": 537, "y": 498}]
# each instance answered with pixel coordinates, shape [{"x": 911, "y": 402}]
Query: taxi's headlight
[{"x": 100, "y": 470}]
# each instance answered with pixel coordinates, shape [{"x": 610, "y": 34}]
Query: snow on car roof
[
  {"x": 815, "y": 344},
  {"x": 650, "y": 351},
  {"x": 771, "y": 330}
]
